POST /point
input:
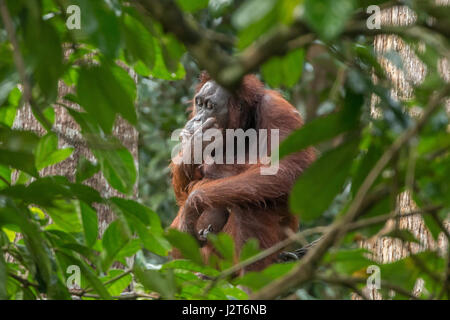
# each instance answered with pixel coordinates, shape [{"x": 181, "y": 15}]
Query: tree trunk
[
  {"x": 386, "y": 249},
  {"x": 69, "y": 136}
]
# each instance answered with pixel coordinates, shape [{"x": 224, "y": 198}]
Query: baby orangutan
[
  {"x": 214, "y": 219},
  {"x": 211, "y": 220}
]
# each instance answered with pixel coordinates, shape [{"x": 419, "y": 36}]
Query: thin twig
[
  {"x": 346, "y": 281},
  {"x": 120, "y": 276},
  {"x": 23, "y": 281},
  {"x": 123, "y": 296},
  {"x": 5, "y": 181}
]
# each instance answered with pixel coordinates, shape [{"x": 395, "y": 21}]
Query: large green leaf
[
  {"x": 3, "y": 277},
  {"x": 182, "y": 264},
  {"x": 348, "y": 261},
  {"x": 224, "y": 244},
  {"x": 116, "y": 162},
  {"x": 322, "y": 181},
  {"x": 116, "y": 287},
  {"x": 19, "y": 160},
  {"x": 163, "y": 283},
  {"x": 139, "y": 42},
  {"x": 328, "y": 17},
  {"x": 9, "y": 110},
  {"x": 106, "y": 90},
  {"x": 257, "y": 280},
  {"x": 116, "y": 236},
  {"x": 85, "y": 169},
  {"x": 187, "y": 245},
  {"x": 92, "y": 278},
  {"x": 252, "y": 11},
  {"x": 324, "y": 128},
  {"x": 44, "y": 190},
  {"x": 146, "y": 216},
  {"x": 285, "y": 70},
  {"x": 44, "y": 52},
  {"x": 99, "y": 26},
  {"x": 16, "y": 149},
  {"x": 40, "y": 254},
  {"x": 192, "y": 5},
  {"x": 118, "y": 168},
  {"x": 90, "y": 223},
  {"x": 65, "y": 216},
  {"x": 47, "y": 152},
  {"x": 160, "y": 69}
]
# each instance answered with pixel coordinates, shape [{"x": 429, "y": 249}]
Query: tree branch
[
  {"x": 226, "y": 69},
  {"x": 352, "y": 281},
  {"x": 307, "y": 266}
]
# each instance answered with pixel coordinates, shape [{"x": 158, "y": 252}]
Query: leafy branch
[{"x": 306, "y": 269}]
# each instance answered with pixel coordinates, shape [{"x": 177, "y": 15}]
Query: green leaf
[
  {"x": 188, "y": 265},
  {"x": 252, "y": 11},
  {"x": 224, "y": 244},
  {"x": 116, "y": 287},
  {"x": 257, "y": 280},
  {"x": 135, "y": 209},
  {"x": 219, "y": 7},
  {"x": 156, "y": 281},
  {"x": 116, "y": 162},
  {"x": 3, "y": 277},
  {"x": 87, "y": 273},
  {"x": 286, "y": 70},
  {"x": 99, "y": 26},
  {"x": 40, "y": 253},
  {"x": 90, "y": 223},
  {"x": 16, "y": 148},
  {"x": 250, "y": 248},
  {"x": 5, "y": 174},
  {"x": 130, "y": 249},
  {"x": 402, "y": 234},
  {"x": 187, "y": 245},
  {"x": 65, "y": 216},
  {"x": 44, "y": 51},
  {"x": 85, "y": 169},
  {"x": 252, "y": 32},
  {"x": 44, "y": 190},
  {"x": 116, "y": 236},
  {"x": 160, "y": 69},
  {"x": 139, "y": 42},
  {"x": 322, "y": 181},
  {"x": 328, "y": 17},
  {"x": 19, "y": 160},
  {"x": 383, "y": 206},
  {"x": 405, "y": 272},
  {"x": 192, "y": 5},
  {"x": 9, "y": 110},
  {"x": 432, "y": 226},
  {"x": 324, "y": 128},
  {"x": 365, "y": 165},
  {"x": 106, "y": 90},
  {"x": 172, "y": 50},
  {"x": 47, "y": 152},
  {"x": 349, "y": 261},
  {"x": 118, "y": 168},
  {"x": 17, "y": 140}
]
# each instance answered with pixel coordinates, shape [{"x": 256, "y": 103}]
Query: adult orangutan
[{"x": 236, "y": 198}]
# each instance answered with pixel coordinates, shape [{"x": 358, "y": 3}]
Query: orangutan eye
[
  {"x": 209, "y": 105},
  {"x": 198, "y": 102}
]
